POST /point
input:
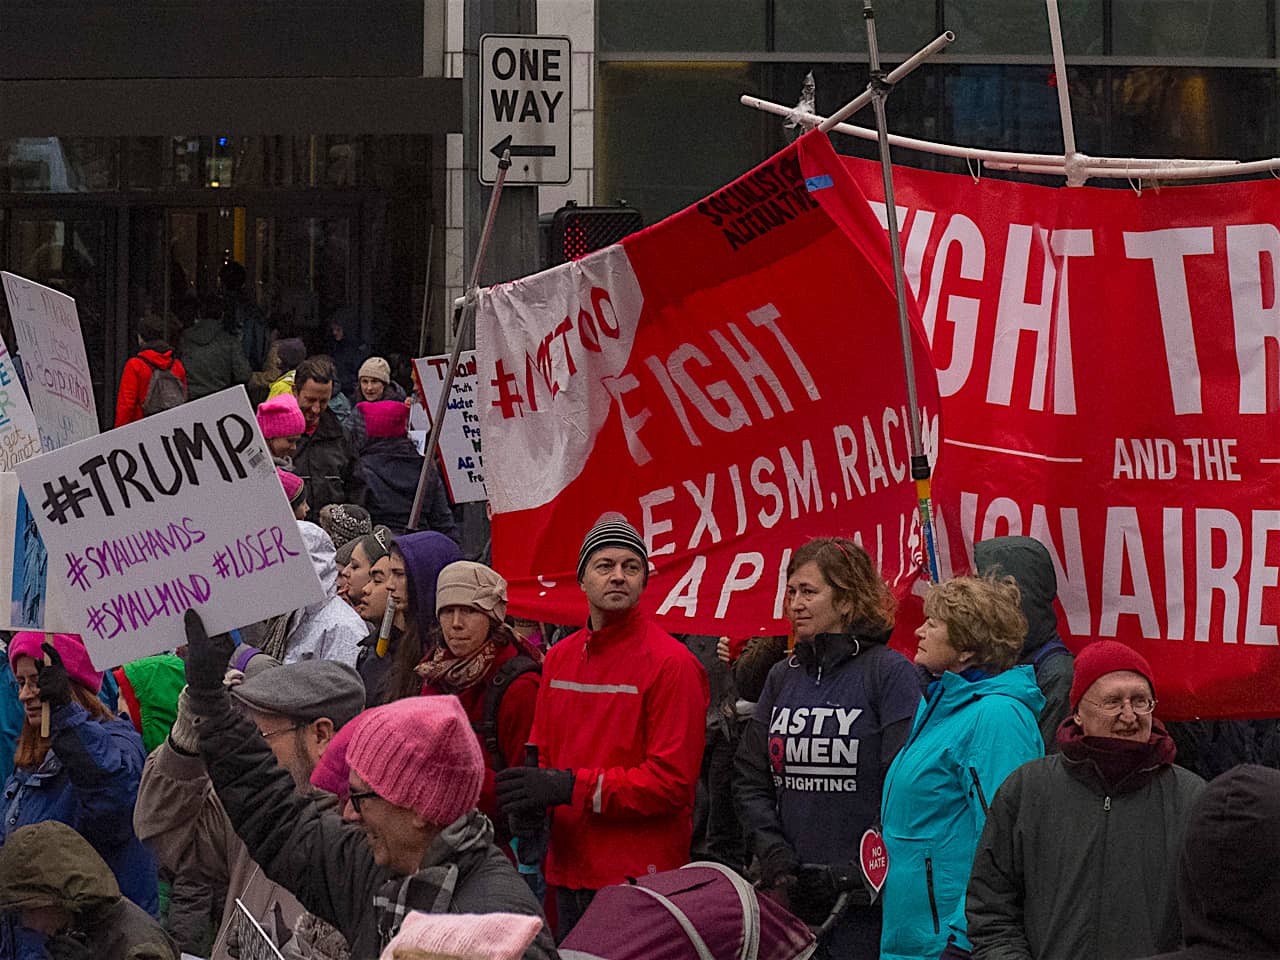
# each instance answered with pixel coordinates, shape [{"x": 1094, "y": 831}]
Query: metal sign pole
[
  {"x": 880, "y": 88},
  {"x": 459, "y": 335}
]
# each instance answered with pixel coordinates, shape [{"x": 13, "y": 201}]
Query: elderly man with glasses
[
  {"x": 407, "y": 837},
  {"x": 1079, "y": 854}
]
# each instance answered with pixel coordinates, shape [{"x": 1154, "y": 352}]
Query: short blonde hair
[{"x": 983, "y": 617}]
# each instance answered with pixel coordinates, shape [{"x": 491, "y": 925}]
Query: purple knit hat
[
  {"x": 281, "y": 417},
  {"x": 69, "y": 646},
  {"x": 420, "y": 753}
]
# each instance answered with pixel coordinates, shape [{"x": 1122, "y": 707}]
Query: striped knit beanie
[
  {"x": 612, "y": 530},
  {"x": 420, "y": 753}
]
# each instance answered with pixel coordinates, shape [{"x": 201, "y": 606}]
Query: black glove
[
  {"x": 778, "y": 864},
  {"x": 818, "y": 887},
  {"x": 207, "y": 659},
  {"x": 53, "y": 679},
  {"x": 523, "y": 790}
]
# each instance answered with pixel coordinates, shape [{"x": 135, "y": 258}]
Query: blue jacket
[
  {"x": 89, "y": 781},
  {"x": 967, "y": 737}
]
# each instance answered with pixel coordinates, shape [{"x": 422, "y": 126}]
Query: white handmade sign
[
  {"x": 19, "y": 436},
  {"x": 460, "y": 448},
  {"x": 47, "y": 329},
  {"x": 181, "y": 510},
  {"x": 33, "y": 603}
]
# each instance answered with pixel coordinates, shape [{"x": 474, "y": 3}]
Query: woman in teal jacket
[{"x": 976, "y": 725}]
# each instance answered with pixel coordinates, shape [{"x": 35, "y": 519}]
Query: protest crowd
[{"x": 407, "y": 768}]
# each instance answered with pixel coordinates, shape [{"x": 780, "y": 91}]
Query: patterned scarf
[
  {"x": 431, "y": 889},
  {"x": 450, "y": 674}
]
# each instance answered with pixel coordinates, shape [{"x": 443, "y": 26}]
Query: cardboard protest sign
[
  {"x": 730, "y": 379},
  {"x": 181, "y": 510},
  {"x": 19, "y": 436},
  {"x": 253, "y": 942},
  {"x": 1109, "y": 365},
  {"x": 460, "y": 449},
  {"x": 30, "y": 604},
  {"x": 47, "y": 329}
]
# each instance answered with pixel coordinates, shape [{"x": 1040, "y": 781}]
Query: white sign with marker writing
[
  {"x": 47, "y": 328},
  {"x": 181, "y": 510},
  {"x": 460, "y": 448},
  {"x": 525, "y": 107}
]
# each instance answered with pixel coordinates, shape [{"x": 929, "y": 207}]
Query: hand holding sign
[
  {"x": 207, "y": 657},
  {"x": 52, "y": 678}
]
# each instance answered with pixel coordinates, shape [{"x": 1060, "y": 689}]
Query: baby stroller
[{"x": 703, "y": 911}]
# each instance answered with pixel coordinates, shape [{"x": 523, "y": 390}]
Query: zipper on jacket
[
  {"x": 1106, "y": 804},
  {"x": 977, "y": 785},
  {"x": 933, "y": 902}
]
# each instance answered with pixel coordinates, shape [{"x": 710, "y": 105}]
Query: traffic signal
[{"x": 573, "y": 231}]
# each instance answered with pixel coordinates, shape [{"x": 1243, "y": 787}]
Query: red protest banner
[
  {"x": 730, "y": 379},
  {"x": 1109, "y": 365}
]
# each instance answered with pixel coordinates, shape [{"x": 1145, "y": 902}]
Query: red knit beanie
[
  {"x": 1103, "y": 657},
  {"x": 384, "y": 418},
  {"x": 420, "y": 753},
  {"x": 70, "y": 648}
]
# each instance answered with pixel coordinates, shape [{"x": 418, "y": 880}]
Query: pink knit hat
[
  {"x": 332, "y": 773},
  {"x": 384, "y": 418},
  {"x": 464, "y": 936},
  {"x": 292, "y": 486},
  {"x": 420, "y": 753},
  {"x": 281, "y": 417},
  {"x": 69, "y": 646}
]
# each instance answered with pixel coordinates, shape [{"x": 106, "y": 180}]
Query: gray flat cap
[{"x": 306, "y": 690}]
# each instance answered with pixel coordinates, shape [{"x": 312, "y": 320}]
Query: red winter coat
[
  {"x": 137, "y": 377},
  {"x": 624, "y": 708},
  {"x": 515, "y": 718}
]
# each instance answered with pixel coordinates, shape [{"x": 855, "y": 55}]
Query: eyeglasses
[
  {"x": 1114, "y": 706},
  {"x": 276, "y": 733},
  {"x": 358, "y": 797}
]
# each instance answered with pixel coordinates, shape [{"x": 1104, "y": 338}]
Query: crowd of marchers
[{"x": 406, "y": 770}]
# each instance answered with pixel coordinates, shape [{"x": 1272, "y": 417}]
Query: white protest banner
[
  {"x": 460, "y": 448},
  {"x": 32, "y": 605},
  {"x": 19, "y": 436},
  {"x": 181, "y": 510},
  {"x": 47, "y": 328}
]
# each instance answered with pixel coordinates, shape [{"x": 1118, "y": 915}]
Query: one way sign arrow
[{"x": 532, "y": 150}]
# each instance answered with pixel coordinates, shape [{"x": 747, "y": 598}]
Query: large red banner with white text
[
  {"x": 1109, "y": 365},
  {"x": 730, "y": 379}
]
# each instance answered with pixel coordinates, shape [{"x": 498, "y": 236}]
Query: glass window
[
  {"x": 670, "y": 133},
  {"x": 1189, "y": 28},
  {"x": 826, "y": 25},
  {"x": 1022, "y": 26},
  {"x": 1192, "y": 112},
  {"x": 681, "y": 25},
  {"x": 58, "y": 164}
]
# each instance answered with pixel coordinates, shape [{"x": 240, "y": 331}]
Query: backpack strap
[
  {"x": 495, "y": 690},
  {"x": 1053, "y": 648}
]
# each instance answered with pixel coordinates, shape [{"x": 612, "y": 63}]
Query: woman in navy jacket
[{"x": 85, "y": 774}]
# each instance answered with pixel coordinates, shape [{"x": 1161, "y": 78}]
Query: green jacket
[
  {"x": 48, "y": 864},
  {"x": 1066, "y": 871}
]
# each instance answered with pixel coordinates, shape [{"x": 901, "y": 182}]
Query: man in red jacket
[
  {"x": 154, "y": 353},
  {"x": 620, "y": 726}
]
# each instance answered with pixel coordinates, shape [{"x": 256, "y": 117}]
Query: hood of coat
[
  {"x": 320, "y": 549},
  {"x": 425, "y": 555},
  {"x": 953, "y": 692},
  {"x": 1228, "y": 890},
  {"x": 151, "y": 686},
  {"x": 1026, "y": 560},
  {"x": 392, "y": 448},
  {"x": 204, "y": 332},
  {"x": 828, "y": 650},
  {"x": 158, "y": 352},
  {"x": 48, "y": 864}
]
